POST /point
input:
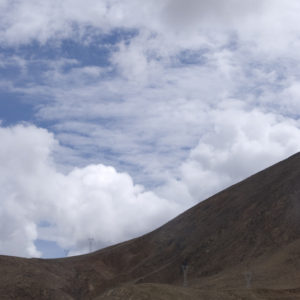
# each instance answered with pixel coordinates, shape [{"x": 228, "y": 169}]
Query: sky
[{"x": 116, "y": 116}]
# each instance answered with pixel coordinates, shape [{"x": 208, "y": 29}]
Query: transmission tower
[
  {"x": 91, "y": 241},
  {"x": 184, "y": 268},
  {"x": 248, "y": 278}
]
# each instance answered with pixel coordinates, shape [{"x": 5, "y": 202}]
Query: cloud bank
[
  {"x": 92, "y": 202},
  {"x": 237, "y": 144},
  {"x": 96, "y": 201}
]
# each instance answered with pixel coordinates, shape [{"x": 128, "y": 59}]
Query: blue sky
[{"x": 117, "y": 116}]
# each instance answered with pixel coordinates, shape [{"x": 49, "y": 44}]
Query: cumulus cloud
[
  {"x": 101, "y": 203},
  {"x": 23, "y": 155},
  {"x": 95, "y": 201},
  {"x": 98, "y": 202},
  {"x": 237, "y": 144},
  {"x": 288, "y": 98}
]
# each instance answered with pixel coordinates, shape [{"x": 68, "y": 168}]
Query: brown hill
[{"x": 243, "y": 243}]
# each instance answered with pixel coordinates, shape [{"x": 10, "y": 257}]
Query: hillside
[{"x": 242, "y": 243}]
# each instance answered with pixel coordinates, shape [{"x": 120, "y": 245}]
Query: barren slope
[{"x": 252, "y": 227}]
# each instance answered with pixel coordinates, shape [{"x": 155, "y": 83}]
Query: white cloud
[
  {"x": 99, "y": 202},
  {"x": 24, "y": 153},
  {"x": 95, "y": 201},
  {"x": 288, "y": 99},
  {"x": 49, "y": 20},
  {"x": 237, "y": 144},
  {"x": 146, "y": 118},
  {"x": 201, "y": 96}
]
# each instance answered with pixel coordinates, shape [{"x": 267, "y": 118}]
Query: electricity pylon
[{"x": 91, "y": 241}]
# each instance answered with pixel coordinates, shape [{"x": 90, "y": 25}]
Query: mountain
[{"x": 242, "y": 243}]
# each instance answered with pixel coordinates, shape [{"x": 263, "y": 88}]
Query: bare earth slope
[{"x": 243, "y": 243}]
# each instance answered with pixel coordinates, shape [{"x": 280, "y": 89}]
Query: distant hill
[{"x": 242, "y": 243}]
